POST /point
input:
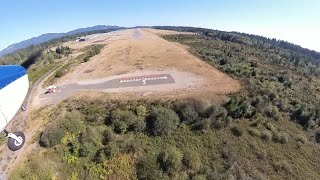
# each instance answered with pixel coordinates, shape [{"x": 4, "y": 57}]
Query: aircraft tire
[{"x": 13, "y": 145}]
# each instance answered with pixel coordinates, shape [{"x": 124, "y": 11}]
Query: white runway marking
[{"x": 143, "y": 79}]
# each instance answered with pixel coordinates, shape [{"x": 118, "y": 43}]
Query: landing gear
[
  {"x": 15, "y": 140},
  {"x": 23, "y": 108}
]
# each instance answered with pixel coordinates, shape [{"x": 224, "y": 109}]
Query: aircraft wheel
[{"x": 15, "y": 145}]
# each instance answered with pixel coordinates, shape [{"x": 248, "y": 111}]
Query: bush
[
  {"x": 218, "y": 124},
  {"x": 191, "y": 160},
  {"x": 94, "y": 114},
  {"x": 203, "y": 125},
  {"x": 120, "y": 127},
  {"x": 276, "y": 136},
  {"x": 124, "y": 116},
  {"x": 111, "y": 150},
  {"x": 284, "y": 139},
  {"x": 139, "y": 125},
  {"x": 188, "y": 114},
  {"x": 266, "y": 135},
  {"x": 254, "y": 132},
  {"x": 170, "y": 160},
  {"x": 59, "y": 73},
  {"x": 216, "y": 112},
  {"x": 54, "y": 132},
  {"x": 108, "y": 135},
  {"x": 270, "y": 126},
  {"x": 237, "y": 131},
  {"x": 51, "y": 136},
  {"x": 91, "y": 135},
  {"x": 86, "y": 59},
  {"x": 301, "y": 138},
  {"x": 141, "y": 111},
  {"x": 148, "y": 169},
  {"x": 163, "y": 121}
]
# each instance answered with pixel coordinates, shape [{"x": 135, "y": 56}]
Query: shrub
[
  {"x": 54, "y": 132},
  {"x": 124, "y": 116},
  {"x": 276, "y": 136},
  {"x": 120, "y": 127},
  {"x": 91, "y": 135},
  {"x": 279, "y": 138},
  {"x": 218, "y": 124},
  {"x": 270, "y": 126},
  {"x": 191, "y": 159},
  {"x": 148, "y": 169},
  {"x": 284, "y": 139},
  {"x": 59, "y": 73},
  {"x": 301, "y": 138},
  {"x": 237, "y": 130},
  {"x": 111, "y": 150},
  {"x": 141, "y": 111},
  {"x": 188, "y": 114},
  {"x": 87, "y": 149},
  {"x": 94, "y": 114},
  {"x": 139, "y": 125},
  {"x": 282, "y": 166},
  {"x": 266, "y": 135},
  {"x": 86, "y": 59},
  {"x": 203, "y": 125},
  {"x": 108, "y": 135},
  {"x": 51, "y": 136},
  {"x": 163, "y": 121},
  {"x": 216, "y": 112},
  {"x": 170, "y": 160},
  {"x": 72, "y": 122},
  {"x": 254, "y": 132}
]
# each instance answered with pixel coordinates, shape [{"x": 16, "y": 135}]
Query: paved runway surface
[{"x": 134, "y": 81}]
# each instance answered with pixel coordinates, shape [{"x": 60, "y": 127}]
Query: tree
[
  {"x": 163, "y": 121},
  {"x": 170, "y": 160}
]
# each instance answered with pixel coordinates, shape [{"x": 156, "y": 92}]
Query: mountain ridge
[{"x": 49, "y": 36}]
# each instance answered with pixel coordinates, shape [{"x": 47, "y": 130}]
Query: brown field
[{"x": 141, "y": 51}]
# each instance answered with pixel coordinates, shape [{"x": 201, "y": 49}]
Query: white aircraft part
[{"x": 11, "y": 99}]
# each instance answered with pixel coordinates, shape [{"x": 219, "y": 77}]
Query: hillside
[
  {"x": 267, "y": 128},
  {"x": 49, "y": 36}
]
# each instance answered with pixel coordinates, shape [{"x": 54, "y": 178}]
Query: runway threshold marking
[{"x": 143, "y": 79}]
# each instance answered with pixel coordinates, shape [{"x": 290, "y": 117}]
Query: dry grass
[{"x": 125, "y": 53}]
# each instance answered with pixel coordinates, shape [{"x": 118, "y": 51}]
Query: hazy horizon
[{"x": 293, "y": 21}]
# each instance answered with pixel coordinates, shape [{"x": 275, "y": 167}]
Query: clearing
[{"x": 141, "y": 52}]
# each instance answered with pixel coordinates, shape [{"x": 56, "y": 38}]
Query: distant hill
[{"x": 46, "y": 37}]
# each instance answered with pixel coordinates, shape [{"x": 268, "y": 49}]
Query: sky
[{"x": 296, "y": 21}]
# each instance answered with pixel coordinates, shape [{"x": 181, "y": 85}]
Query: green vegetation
[
  {"x": 21, "y": 56},
  {"x": 108, "y": 139},
  {"x": 267, "y": 131},
  {"x": 43, "y": 62},
  {"x": 64, "y": 69},
  {"x": 281, "y": 79},
  {"x": 90, "y": 52}
]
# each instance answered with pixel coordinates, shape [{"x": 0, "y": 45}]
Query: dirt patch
[{"x": 89, "y": 71}]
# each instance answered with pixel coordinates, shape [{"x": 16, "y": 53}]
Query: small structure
[
  {"x": 80, "y": 39},
  {"x": 51, "y": 89}
]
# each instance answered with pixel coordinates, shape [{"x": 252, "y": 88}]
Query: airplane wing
[{"x": 14, "y": 86}]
